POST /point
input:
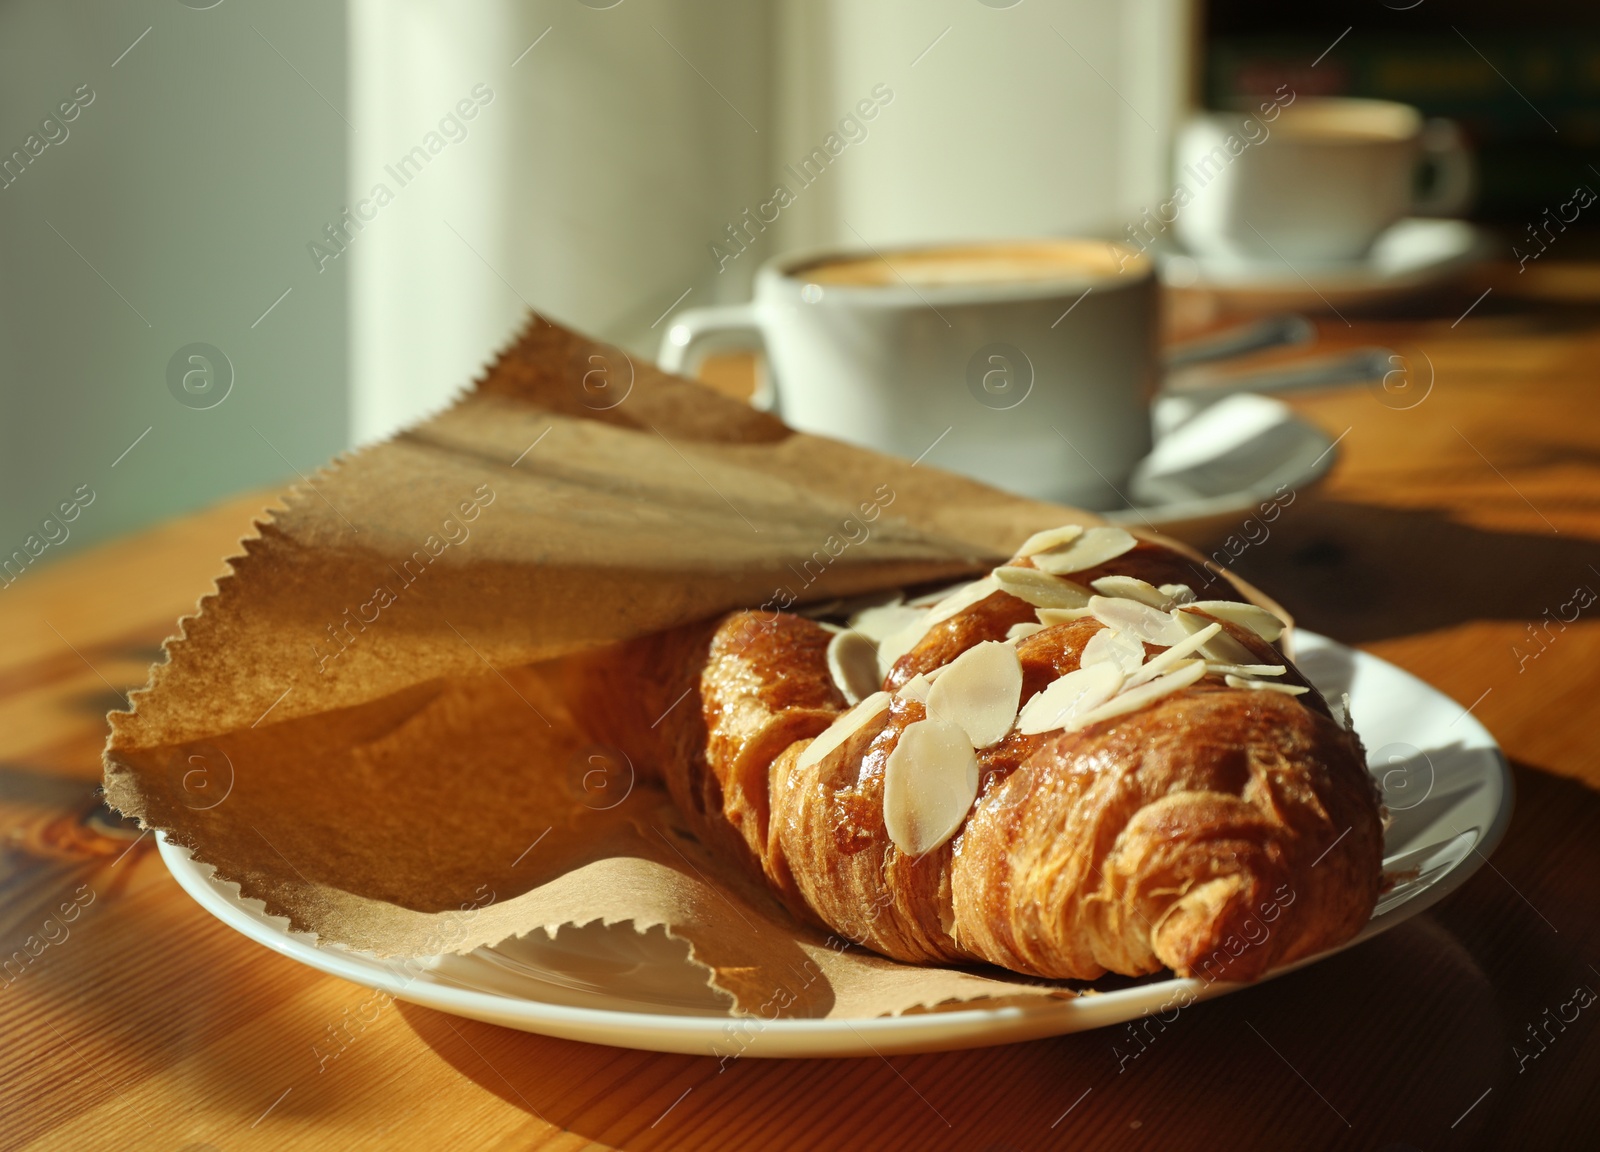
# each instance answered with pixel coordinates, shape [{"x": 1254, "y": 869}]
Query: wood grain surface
[{"x": 1448, "y": 531}]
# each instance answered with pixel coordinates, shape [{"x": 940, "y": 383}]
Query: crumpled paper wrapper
[{"x": 363, "y": 725}]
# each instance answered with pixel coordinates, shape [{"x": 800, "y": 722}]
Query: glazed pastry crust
[{"x": 1219, "y": 832}]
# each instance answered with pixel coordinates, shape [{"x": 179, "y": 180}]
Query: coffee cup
[
  {"x": 1026, "y": 364},
  {"x": 1311, "y": 180}
]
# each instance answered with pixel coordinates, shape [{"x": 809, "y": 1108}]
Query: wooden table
[{"x": 1446, "y": 530}]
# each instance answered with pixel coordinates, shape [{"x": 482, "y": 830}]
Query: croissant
[{"x": 1092, "y": 760}]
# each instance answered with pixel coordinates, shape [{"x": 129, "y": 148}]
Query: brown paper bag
[{"x": 362, "y": 726}]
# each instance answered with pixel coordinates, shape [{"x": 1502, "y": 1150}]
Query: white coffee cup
[
  {"x": 1027, "y": 364},
  {"x": 1310, "y": 180}
]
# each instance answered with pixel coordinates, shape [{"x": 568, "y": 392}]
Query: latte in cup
[
  {"x": 1012, "y": 263},
  {"x": 1028, "y": 364}
]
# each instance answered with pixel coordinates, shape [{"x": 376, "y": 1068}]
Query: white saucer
[
  {"x": 1413, "y": 253},
  {"x": 1218, "y": 460},
  {"x": 1447, "y": 785}
]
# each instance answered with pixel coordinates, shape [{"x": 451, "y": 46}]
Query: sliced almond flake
[
  {"x": 1265, "y": 686},
  {"x": 1136, "y": 698},
  {"x": 1178, "y": 593},
  {"x": 844, "y": 727},
  {"x": 1257, "y": 619},
  {"x": 929, "y": 783},
  {"x": 1222, "y": 648},
  {"x": 964, "y": 597},
  {"x": 853, "y": 663},
  {"x": 1050, "y": 538},
  {"x": 1041, "y": 589},
  {"x": 1162, "y": 662},
  {"x": 918, "y": 686},
  {"x": 897, "y": 644},
  {"x": 1022, "y": 632},
  {"x": 883, "y": 620},
  {"x": 1081, "y": 690},
  {"x": 979, "y": 692},
  {"x": 1134, "y": 684},
  {"x": 928, "y": 599},
  {"x": 1246, "y": 669},
  {"x": 1093, "y": 548},
  {"x": 1049, "y": 616},
  {"x": 1132, "y": 588},
  {"x": 1148, "y": 624},
  {"x": 1109, "y": 646}
]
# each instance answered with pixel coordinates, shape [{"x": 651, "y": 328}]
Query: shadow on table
[
  {"x": 1363, "y": 572},
  {"x": 1388, "y": 1045}
]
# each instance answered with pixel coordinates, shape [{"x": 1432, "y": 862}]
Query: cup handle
[
  {"x": 1455, "y": 174},
  {"x": 699, "y": 331}
]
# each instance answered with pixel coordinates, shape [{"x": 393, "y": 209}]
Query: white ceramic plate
[{"x": 1444, "y": 778}]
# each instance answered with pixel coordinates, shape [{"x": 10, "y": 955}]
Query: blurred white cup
[{"x": 1312, "y": 180}]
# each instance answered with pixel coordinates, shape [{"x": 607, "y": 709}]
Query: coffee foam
[
  {"x": 1349, "y": 121},
  {"x": 971, "y": 264}
]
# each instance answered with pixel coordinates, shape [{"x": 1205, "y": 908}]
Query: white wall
[
  {"x": 590, "y": 188},
  {"x": 1048, "y": 116}
]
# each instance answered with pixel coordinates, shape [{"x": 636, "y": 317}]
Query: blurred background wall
[
  {"x": 169, "y": 205},
  {"x": 267, "y": 232},
  {"x": 626, "y": 137},
  {"x": 599, "y": 164},
  {"x": 237, "y": 237}
]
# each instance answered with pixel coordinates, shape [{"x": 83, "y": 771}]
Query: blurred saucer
[
  {"x": 1217, "y": 460},
  {"x": 1411, "y": 254}
]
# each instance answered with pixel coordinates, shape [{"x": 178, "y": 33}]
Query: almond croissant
[{"x": 1179, "y": 798}]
